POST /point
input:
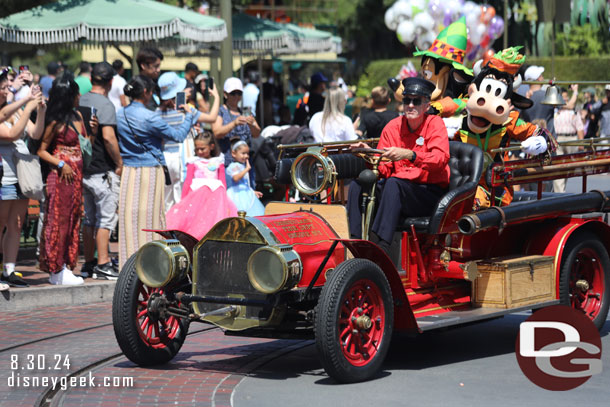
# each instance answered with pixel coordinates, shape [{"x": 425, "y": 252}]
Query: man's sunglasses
[
  {"x": 236, "y": 93},
  {"x": 415, "y": 101}
]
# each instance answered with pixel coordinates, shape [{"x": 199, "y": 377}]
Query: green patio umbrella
[
  {"x": 119, "y": 21},
  {"x": 251, "y": 33},
  {"x": 258, "y": 34},
  {"x": 309, "y": 39}
]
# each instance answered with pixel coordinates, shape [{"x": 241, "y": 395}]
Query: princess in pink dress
[{"x": 204, "y": 193}]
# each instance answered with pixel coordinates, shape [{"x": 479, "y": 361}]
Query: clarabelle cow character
[{"x": 491, "y": 121}]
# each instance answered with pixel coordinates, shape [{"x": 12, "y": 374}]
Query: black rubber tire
[
  {"x": 124, "y": 318},
  {"x": 328, "y": 314},
  {"x": 575, "y": 245}
]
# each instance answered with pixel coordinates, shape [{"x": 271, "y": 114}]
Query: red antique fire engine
[{"x": 295, "y": 271}]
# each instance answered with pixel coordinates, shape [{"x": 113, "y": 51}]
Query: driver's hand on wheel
[{"x": 396, "y": 153}]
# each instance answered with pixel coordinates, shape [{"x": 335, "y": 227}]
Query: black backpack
[
  {"x": 263, "y": 159},
  {"x": 292, "y": 135}
]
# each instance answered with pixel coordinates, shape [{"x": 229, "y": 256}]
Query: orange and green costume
[
  {"x": 495, "y": 137},
  {"x": 508, "y": 61}
]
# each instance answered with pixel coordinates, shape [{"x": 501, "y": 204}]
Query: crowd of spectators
[{"x": 159, "y": 160}]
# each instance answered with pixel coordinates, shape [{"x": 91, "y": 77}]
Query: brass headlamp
[
  {"x": 161, "y": 262},
  {"x": 273, "y": 268},
  {"x": 313, "y": 171}
]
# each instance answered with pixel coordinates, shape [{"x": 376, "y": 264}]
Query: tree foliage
[
  {"x": 9, "y": 7},
  {"x": 584, "y": 40}
]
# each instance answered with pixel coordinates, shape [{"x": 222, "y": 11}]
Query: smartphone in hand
[
  {"x": 247, "y": 111},
  {"x": 93, "y": 111},
  {"x": 209, "y": 84},
  {"x": 180, "y": 99}
]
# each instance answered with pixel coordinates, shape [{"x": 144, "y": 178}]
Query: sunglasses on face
[
  {"x": 236, "y": 93},
  {"x": 416, "y": 101}
]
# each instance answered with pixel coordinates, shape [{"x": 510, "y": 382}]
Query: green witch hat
[{"x": 450, "y": 46}]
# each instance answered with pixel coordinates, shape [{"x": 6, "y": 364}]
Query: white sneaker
[{"x": 65, "y": 277}]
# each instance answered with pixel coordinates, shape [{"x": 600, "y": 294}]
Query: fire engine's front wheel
[
  {"x": 145, "y": 334},
  {"x": 354, "y": 321},
  {"x": 584, "y": 282}
]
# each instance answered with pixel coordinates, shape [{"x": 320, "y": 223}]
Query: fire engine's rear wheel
[
  {"x": 584, "y": 283},
  {"x": 354, "y": 321},
  {"x": 143, "y": 335}
]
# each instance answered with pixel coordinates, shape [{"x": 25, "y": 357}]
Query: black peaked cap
[{"x": 417, "y": 87}]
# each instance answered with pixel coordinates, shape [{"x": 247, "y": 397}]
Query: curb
[{"x": 23, "y": 299}]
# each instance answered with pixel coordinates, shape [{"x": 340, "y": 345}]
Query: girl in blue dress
[{"x": 238, "y": 181}]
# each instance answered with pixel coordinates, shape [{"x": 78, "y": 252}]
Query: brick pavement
[
  {"x": 26, "y": 326},
  {"x": 81, "y": 347},
  {"x": 205, "y": 372}
]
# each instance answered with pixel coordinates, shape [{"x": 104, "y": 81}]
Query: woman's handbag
[
  {"x": 86, "y": 148},
  {"x": 29, "y": 174}
]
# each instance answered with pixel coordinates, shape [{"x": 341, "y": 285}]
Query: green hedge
[{"x": 566, "y": 69}]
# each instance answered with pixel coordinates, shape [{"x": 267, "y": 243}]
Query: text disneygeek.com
[{"x": 17, "y": 380}]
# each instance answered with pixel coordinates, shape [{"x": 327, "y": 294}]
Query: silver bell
[{"x": 552, "y": 97}]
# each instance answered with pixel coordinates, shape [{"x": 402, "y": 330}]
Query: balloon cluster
[{"x": 419, "y": 22}]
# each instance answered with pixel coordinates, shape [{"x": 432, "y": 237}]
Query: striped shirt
[{"x": 567, "y": 122}]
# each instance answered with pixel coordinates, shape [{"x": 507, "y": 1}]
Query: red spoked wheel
[
  {"x": 145, "y": 333},
  {"x": 354, "y": 321},
  {"x": 361, "y": 322},
  {"x": 585, "y": 277},
  {"x": 155, "y": 331}
]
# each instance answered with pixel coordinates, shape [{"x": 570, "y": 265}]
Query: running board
[{"x": 453, "y": 318}]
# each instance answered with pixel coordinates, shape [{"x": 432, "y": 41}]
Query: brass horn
[{"x": 552, "y": 97}]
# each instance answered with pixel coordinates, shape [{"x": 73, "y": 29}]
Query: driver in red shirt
[{"x": 417, "y": 175}]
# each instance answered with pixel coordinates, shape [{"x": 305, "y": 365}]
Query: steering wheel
[{"x": 370, "y": 155}]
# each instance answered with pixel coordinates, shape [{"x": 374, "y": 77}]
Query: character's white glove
[{"x": 534, "y": 145}]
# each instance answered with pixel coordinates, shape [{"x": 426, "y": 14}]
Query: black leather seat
[
  {"x": 282, "y": 171},
  {"x": 466, "y": 165}
]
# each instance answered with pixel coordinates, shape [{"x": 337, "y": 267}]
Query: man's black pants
[{"x": 396, "y": 198}]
